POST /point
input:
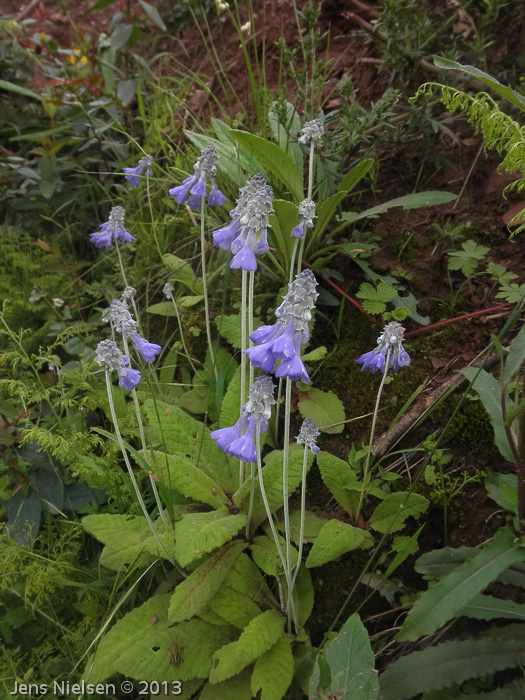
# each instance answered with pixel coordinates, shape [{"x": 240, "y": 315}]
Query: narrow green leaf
[
  {"x": 282, "y": 220},
  {"x": 487, "y": 607},
  {"x": 273, "y": 671},
  {"x": 489, "y": 391},
  {"x": 337, "y": 538},
  {"x": 511, "y": 95},
  {"x": 153, "y": 14},
  {"x": 449, "y": 663},
  {"x": 516, "y": 356},
  {"x": 12, "y": 87},
  {"x": 258, "y": 637},
  {"x": 442, "y": 602},
  {"x": 194, "y": 594},
  {"x": 392, "y": 512},
  {"x": 274, "y": 160}
]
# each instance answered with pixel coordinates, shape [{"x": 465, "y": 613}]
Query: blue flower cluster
[
  {"x": 112, "y": 229},
  {"x": 133, "y": 174},
  {"x": 254, "y": 416},
  {"x": 389, "y": 345},
  {"x": 282, "y": 341},
  {"x": 306, "y": 211},
  {"x": 246, "y": 235},
  {"x": 111, "y": 358},
  {"x": 193, "y": 188}
]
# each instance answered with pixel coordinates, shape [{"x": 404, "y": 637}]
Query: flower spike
[
  {"x": 112, "y": 229},
  {"x": 283, "y": 340},
  {"x": 193, "y": 188},
  {"x": 308, "y": 435},
  {"x": 254, "y": 414},
  {"x": 111, "y": 358}
]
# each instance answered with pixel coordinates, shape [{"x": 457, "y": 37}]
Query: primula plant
[{"x": 226, "y": 481}]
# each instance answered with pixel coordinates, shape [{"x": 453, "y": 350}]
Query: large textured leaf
[
  {"x": 303, "y": 594},
  {"x": 236, "y": 688},
  {"x": 234, "y": 607},
  {"x": 324, "y": 408},
  {"x": 351, "y": 662},
  {"x": 178, "y": 473},
  {"x": 273, "y": 159},
  {"x": 201, "y": 533},
  {"x": 337, "y": 538},
  {"x": 127, "y": 538},
  {"x": 489, "y": 391},
  {"x": 313, "y": 525},
  {"x": 182, "y": 652},
  {"x": 273, "y": 482},
  {"x": 449, "y": 663},
  {"x": 194, "y": 594},
  {"x": 266, "y": 556},
  {"x": 230, "y": 328},
  {"x": 508, "y": 93},
  {"x": 441, "y": 602},
  {"x": 392, "y": 512},
  {"x": 244, "y": 577},
  {"x": 189, "y": 438},
  {"x": 259, "y": 636},
  {"x": 338, "y": 475},
  {"x": 273, "y": 671}
]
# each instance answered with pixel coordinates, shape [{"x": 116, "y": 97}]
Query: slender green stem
[
  {"x": 244, "y": 280},
  {"x": 251, "y": 283},
  {"x": 277, "y": 409},
  {"x": 310, "y": 190},
  {"x": 372, "y": 431},
  {"x": 270, "y": 518},
  {"x": 301, "y": 524},
  {"x": 143, "y": 438},
  {"x": 125, "y": 280},
  {"x": 292, "y": 261},
  {"x": 205, "y": 289},
  {"x": 181, "y": 331},
  {"x": 286, "y": 449},
  {"x": 129, "y": 467},
  {"x": 250, "y": 505}
]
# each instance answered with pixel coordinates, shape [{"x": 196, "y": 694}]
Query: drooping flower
[
  {"x": 246, "y": 235},
  {"x": 254, "y": 415},
  {"x": 147, "y": 350},
  {"x": 389, "y": 344},
  {"x": 308, "y": 435},
  {"x": 133, "y": 174},
  {"x": 111, "y": 230},
  {"x": 193, "y": 188},
  {"x": 283, "y": 340},
  {"x": 312, "y": 131},
  {"x": 110, "y": 357},
  {"x": 306, "y": 211},
  {"x": 128, "y": 377}
]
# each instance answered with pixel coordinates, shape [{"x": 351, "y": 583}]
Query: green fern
[{"x": 499, "y": 131}]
